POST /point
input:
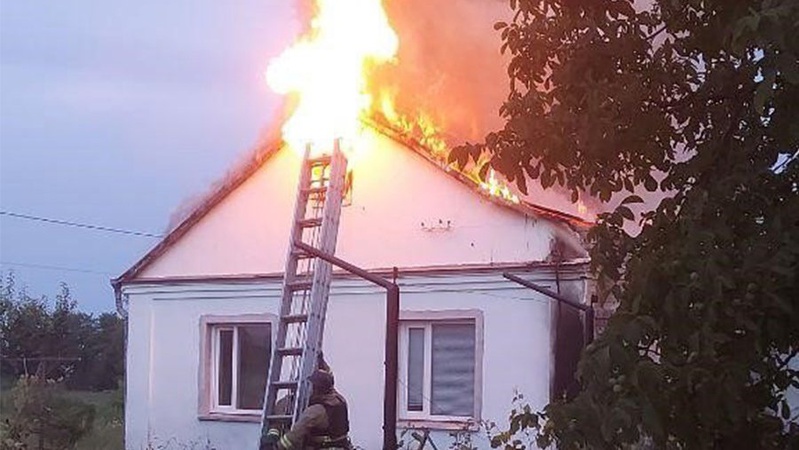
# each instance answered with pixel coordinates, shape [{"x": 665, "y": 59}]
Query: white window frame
[
  {"x": 208, "y": 401},
  {"x": 425, "y": 320}
]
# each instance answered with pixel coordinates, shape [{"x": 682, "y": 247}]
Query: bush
[{"x": 43, "y": 418}]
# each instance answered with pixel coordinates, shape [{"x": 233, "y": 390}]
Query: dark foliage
[
  {"x": 696, "y": 103},
  {"x": 58, "y": 341}
]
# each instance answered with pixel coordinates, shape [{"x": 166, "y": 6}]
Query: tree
[
  {"x": 696, "y": 101},
  {"x": 106, "y": 366},
  {"x": 87, "y": 351},
  {"x": 43, "y": 417}
]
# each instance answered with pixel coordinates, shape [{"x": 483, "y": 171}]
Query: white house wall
[
  {"x": 405, "y": 212},
  {"x": 164, "y": 338}
]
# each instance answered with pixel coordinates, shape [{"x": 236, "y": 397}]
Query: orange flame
[
  {"x": 327, "y": 70},
  {"x": 498, "y": 189}
]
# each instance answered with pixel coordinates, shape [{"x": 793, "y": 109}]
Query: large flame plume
[
  {"x": 327, "y": 70},
  {"x": 430, "y": 70}
]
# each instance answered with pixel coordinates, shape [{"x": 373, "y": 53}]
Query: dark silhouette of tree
[
  {"x": 86, "y": 351},
  {"x": 696, "y": 101}
]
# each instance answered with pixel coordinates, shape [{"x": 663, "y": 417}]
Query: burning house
[{"x": 203, "y": 304}]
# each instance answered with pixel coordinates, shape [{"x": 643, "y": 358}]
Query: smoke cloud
[
  {"x": 450, "y": 69},
  {"x": 449, "y": 65}
]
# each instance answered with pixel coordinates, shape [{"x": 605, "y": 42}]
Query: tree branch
[
  {"x": 654, "y": 35},
  {"x": 788, "y": 359}
]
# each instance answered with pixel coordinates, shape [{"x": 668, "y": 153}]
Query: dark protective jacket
[{"x": 324, "y": 424}]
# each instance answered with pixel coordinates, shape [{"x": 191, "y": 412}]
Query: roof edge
[
  {"x": 450, "y": 269},
  {"x": 523, "y": 207},
  {"x": 261, "y": 154}
]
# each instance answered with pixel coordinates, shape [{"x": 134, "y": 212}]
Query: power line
[
  {"x": 47, "y": 267},
  {"x": 79, "y": 225}
]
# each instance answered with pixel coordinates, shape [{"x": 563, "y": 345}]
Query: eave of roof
[
  {"x": 265, "y": 151},
  {"x": 576, "y": 266},
  {"x": 260, "y": 155}
]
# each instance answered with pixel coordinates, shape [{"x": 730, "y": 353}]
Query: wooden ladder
[{"x": 306, "y": 286}]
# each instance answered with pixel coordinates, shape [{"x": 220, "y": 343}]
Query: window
[
  {"x": 241, "y": 362},
  {"x": 440, "y": 366},
  {"x": 234, "y": 366}
]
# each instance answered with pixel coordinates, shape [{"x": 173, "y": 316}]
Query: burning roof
[
  {"x": 264, "y": 152},
  {"x": 332, "y": 76}
]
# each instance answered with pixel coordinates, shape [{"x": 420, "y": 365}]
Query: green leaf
[
  {"x": 628, "y": 184},
  {"x": 546, "y": 179},
  {"x": 521, "y": 182},
  {"x": 625, "y": 212},
  {"x": 482, "y": 174},
  {"x": 632, "y": 199},
  {"x": 650, "y": 184},
  {"x": 785, "y": 409}
]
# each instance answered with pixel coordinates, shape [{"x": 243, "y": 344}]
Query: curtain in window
[{"x": 453, "y": 367}]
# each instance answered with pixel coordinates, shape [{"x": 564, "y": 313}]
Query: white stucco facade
[
  {"x": 164, "y": 350},
  {"x": 450, "y": 243}
]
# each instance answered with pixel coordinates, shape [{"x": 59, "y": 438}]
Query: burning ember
[{"x": 327, "y": 70}]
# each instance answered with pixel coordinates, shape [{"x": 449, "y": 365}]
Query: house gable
[{"x": 404, "y": 212}]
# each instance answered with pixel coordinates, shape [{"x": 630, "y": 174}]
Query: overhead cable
[{"x": 79, "y": 225}]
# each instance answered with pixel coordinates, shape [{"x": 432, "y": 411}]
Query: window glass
[
  {"x": 254, "y": 352},
  {"x": 415, "y": 368},
  {"x": 453, "y": 367},
  {"x": 225, "y": 367}
]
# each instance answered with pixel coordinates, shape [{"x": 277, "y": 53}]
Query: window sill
[
  {"x": 230, "y": 417},
  {"x": 439, "y": 424}
]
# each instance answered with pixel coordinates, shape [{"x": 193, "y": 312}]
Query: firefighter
[{"x": 323, "y": 425}]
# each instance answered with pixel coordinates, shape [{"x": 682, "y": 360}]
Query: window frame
[
  {"x": 208, "y": 383},
  {"x": 425, "y": 320}
]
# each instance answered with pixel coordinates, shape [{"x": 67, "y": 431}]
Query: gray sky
[{"x": 112, "y": 113}]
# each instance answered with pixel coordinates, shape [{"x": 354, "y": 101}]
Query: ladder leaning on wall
[{"x": 306, "y": 285}]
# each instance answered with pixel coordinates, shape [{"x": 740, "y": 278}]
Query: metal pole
[
  {"x": 588, "y": 316},
  {"x": 392, "y": 367},
  {"x": 545, "y": 291},
  {"x": 392, "y": 339}
]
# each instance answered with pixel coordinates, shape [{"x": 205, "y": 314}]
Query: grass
[
  {"x": 108, "y": 429},
  {"x": 106, "y": 436}
]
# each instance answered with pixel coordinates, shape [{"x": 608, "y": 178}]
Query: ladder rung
[
  {"x": 285, "y": 385},
  {"x": 299, "y": 285},
  {"x": 290, "y": 351},
  {"x": 279, "y": 418},
  {"x": 320, "y": 160},
  {"x": 295, "y": 318},
  {"x": 299, "y": 254},
  {"x": 315, "y": 190},
  {"x": 309, "y": 223}
]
